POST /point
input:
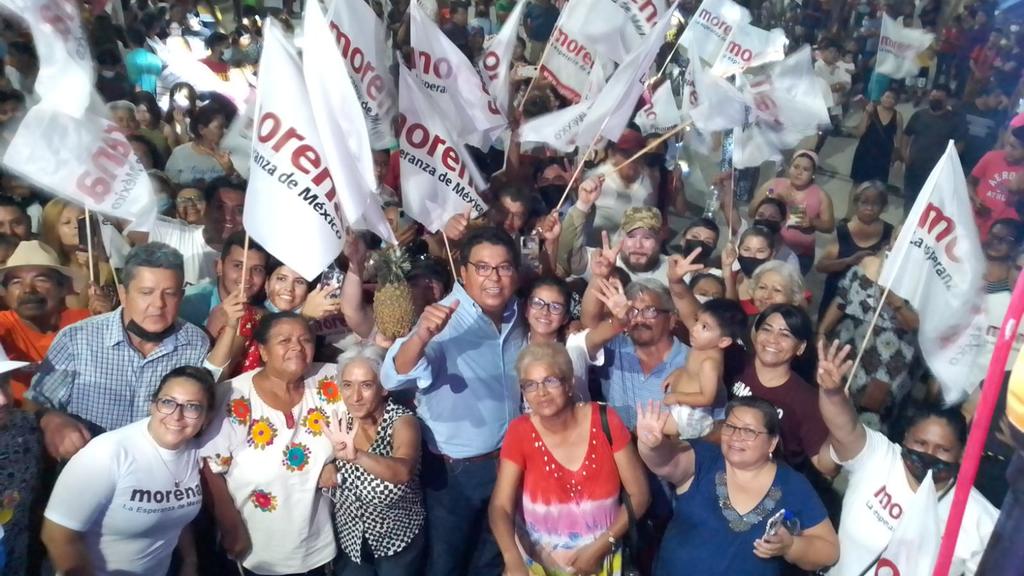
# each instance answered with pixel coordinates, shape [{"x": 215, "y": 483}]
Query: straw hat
[{"x": 35, "y": 253}]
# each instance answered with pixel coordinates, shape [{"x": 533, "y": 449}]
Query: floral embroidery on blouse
[
  {"x": 263, "y": 500},
  {"x": 239, "y": 411},
  {"x": 328, "y": 390},
  {"x": 315, "y": 421},
  {"x": 296, "y": 456},
  {"x": 7, "y": 504},
  {"x": 262, "y": 433}
]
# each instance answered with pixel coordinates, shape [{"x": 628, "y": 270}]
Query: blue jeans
[
  {"x": 456, "y": 495},
  {"x": 407, "y": 562}
]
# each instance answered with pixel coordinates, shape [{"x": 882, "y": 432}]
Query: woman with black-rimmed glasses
[
  {"x": 123, "y": 503},
  {"x": 548, "y": 315}
]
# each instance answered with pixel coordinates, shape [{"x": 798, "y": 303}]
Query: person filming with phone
[{"x": 738, "y": 510}]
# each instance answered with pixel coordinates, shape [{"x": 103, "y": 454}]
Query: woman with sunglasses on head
[
  {"x": 123, "y": 503},
  {"x": 739, "y": 510},
  {"x": 884, "y": 476}
]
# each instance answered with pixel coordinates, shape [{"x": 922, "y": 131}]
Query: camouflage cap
[{"x": 641, "y": 217}]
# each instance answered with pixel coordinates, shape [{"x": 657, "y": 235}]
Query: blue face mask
[{"x": 163, "y": 203}]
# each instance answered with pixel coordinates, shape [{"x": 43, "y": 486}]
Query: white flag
[
  {"x": 785, "y": 105},
  {"x": 711, "y": 25},
  {"x": 437, "y": 174},
  {"x": 712, "y": 103},
  {"x": 291, "y": 205},
  {"x": 560, "y": 128},
  {"x": 359, "y": 35},
  {"x": 613, "y": 108},
  {"x": 661, "y": 114},
  {"x": 455, "y": 85},
  {"x": 86, "y": 160},
  {"x": 182, "y": 67},
  {"x": 344, "y": 139},
  {"x": 749, "y": 46},
  {"x": 496, "y": 63},
  {"x": 613, "y": 28},
  {"x": 914, "y": 545},
  {"x": 568, "y": 61},
  {"x": 66, "y": 74},
  {"x": 899, "y": 47},
  {"x": 938, "y": 266}
]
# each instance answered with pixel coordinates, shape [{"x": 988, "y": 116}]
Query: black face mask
[
  {"x": 772, "y": 226},
  {"x": 654, "y": 160},
  {"x": 551, "y": 191},
  {"x": 705, "y": 250},
  {"x": 937, "y": 105},
  {"x": 919, "y": 463},
  {"x": 748, "y": 264},
  {"x": 152, "y": 337}
]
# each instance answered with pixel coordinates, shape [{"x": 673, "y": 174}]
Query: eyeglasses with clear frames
[
  {"x": 190, "y": 410},
  {"x": 648, "y": 313},
  {"x": 484, "y": 269},
  {"x": 186, "y": 200},
  {"x": 555, "y": 308},
  {"x": 530, "y": 386},
  {"x": 744, "y": 434}
]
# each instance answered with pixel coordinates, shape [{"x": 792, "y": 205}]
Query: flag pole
[
  {"x": 579, "y": 166},
  {"x": 533, "y": 80},
  {"x": 451, "y": 262},
  {"x": 88, "y": 244},
  {"x": 990, "y": 392},
  {"x": 245, "y": 275},
  {"x": 654, "y": 144}
]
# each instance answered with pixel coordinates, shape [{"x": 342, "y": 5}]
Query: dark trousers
[
  {"x": 1004, "y": 554},
  {"x": 407, "y": 562},
  {"x": 456, "y": 494}
]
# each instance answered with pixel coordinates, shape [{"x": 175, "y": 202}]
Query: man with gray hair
[{"x": 100, "y": 373}]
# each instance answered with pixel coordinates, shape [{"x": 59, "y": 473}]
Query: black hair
[
  {"x": 136, "y": 36},
  {"x": 488, "y": 235},
  {"x": 8, "y": 202},
  {"x": 1015, "y": 226},
  {"x": 702, "y": 276},
  {"x": 238, "y": 239},
  {"x": 204, "y": 116},
  {"x": 143, "y": 98},
  {"x": 197, "y": 374},
  {"x": 516, "y": 194},
  {"x": 953, "y": 417},
  {"x": 267, "y": 322},
  {"x": 108, "y": 56},
  {"x": 1018, "y": 133},
  {"x": 939, "y": 87},
  {"x": 620, "y": 274},
  {"x": 729, "y": 316},
  {"x": 154, "y": 152},
  {"x": 193, "y": 99},
  {"x": 22, "y": 48},
  {"x": 213, "y": 186},
  {"x": 769, "y": 413},
  {"x": 796, "y": 319},
  {"x": 558, "y": 284},
  {"x": 704, "y": 223},
  {"x": 213, "y": 40},
  {"x": 778, "y": 204},
  {"x": 759, "y": 232},
  {"x": 458, "y": 5},
  {"x": 11, "y": 95}
]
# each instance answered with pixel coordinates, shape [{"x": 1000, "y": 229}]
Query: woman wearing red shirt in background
[{"x": 996, "y": 181}]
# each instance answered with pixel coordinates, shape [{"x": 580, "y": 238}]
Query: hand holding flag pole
[{"x": 245, "y": 274}]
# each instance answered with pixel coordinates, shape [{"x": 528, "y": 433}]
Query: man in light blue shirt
[
  {"x": 460, "y": 359},
  {"x": 200, "y": 299}
]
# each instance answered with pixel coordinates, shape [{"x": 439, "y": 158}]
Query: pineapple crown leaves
[{"x": 393, "y": 265}]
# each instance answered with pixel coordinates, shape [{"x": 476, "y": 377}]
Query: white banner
[
  {"x": 614, "y": 28},
  {"x": 66, "y": 75},
  {"x": 899, "y": 47},
  {"x": 914, "y": 545},
  {"x": 183, "y": 67},
  {"x": 437, "y": 174},
  {"x": 785, "y": 105},
  {"x": 660, "y": 115},
  {"x": 712, "y": 103},
  {"x": 291, "y": 206},
  {"x": 568, "y": 61},
  {"x": 344, "y": 140},
  {"x": 711, "y": 25},
  {"x": 454, "y": 83},
  {"x": 496, "y": 63},
  {"x": 559, "y": 129},
  {"x": 359, "y": 34},
  {"x": 938, "y": 266},
  {"x": 749, "y": 46}
]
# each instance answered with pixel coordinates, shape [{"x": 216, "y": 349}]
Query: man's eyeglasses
[
  {"x": 745, "y": 434},
  {"x": 529, "y": 386},
  {"x": 484, "y": 269},
  {"x": 648, "y": 313},
  {"x": 191, "y": 410},
  {"x": 186, "y": 200},
  {"x": 556, "y": 309}
]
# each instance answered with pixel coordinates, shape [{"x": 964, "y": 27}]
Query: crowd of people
[{"x": 623, "y": 384}]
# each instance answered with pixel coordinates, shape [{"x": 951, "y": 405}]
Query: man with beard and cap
[
  {"x": 35, "y": 287},
  {"x": 100, "y": 374},
  {"x": 636, "y": 249},
  {"x": 925, "y": 139}
]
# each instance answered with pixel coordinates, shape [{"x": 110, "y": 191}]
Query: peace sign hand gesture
[
  {"x": 343, "y": 438},
  {"x": 603, "y": 260},
  {"x": 833, "y": 367}
]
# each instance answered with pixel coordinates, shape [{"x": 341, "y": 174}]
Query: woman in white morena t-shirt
[
  {"x": 884, "y": 476},
  {"x": 122, "y": 502}
]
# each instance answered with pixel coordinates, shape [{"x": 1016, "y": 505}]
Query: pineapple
[{"x": 392, "y": 304}]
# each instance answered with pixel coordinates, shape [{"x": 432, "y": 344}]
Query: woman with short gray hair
[
  {"x": 378, "y": 510},
  {"x": 776, "y": 282}
]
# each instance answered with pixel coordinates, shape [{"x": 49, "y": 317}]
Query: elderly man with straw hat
[{"x": 35, "y": 286}]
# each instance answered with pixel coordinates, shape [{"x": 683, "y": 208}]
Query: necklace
[{"x": 177, "y": 483}]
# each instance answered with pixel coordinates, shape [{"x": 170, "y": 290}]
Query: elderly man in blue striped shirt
[{"x": 460, "y": 359}]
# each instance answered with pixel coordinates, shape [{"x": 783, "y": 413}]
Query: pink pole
[{"x": 979, "y": 428}]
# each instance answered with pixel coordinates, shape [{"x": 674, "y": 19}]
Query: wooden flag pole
[
  {"x": 451, "y": 262},
  {"x": 88, "y": 245},
  {"x": 654, "y": 144},
  {"x": 245, "y": 274}
]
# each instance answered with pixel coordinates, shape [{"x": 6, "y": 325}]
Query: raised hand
[
  {"x": 679, "y": 267},
  {"x": 729, "y": 256},
  {"x": 650, "y": 421},
  {"x": 587, "y": 193},
  {"x": 550, "y": 228},
  {"x": 342, "y": 437},
  {"x": 355, "y": 250},
  {"x": 609, "y": 291},
  {"x": 456, "y": 227},
  {"x": 603, "y": 260},
  {"x": 833, "y": 366},
  {"x": 433, "y": 320}
]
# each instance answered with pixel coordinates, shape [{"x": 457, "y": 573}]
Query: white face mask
[
  {"x": 181, "y": 102},
  {"x": 701, "y": 298},
  {"x": 108, "y": 73}
]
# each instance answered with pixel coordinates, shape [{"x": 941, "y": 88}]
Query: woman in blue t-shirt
[{"x": 729, "y": 494}]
